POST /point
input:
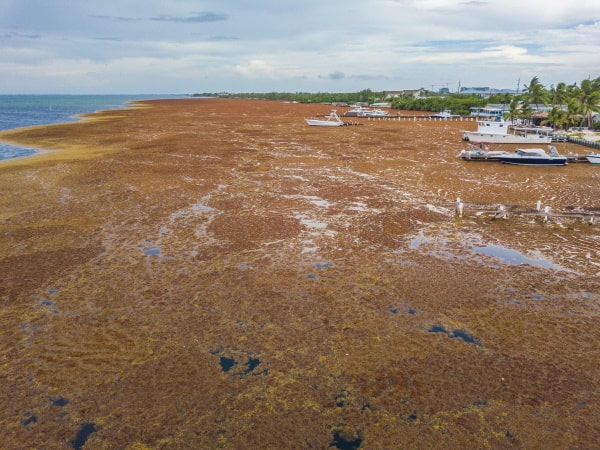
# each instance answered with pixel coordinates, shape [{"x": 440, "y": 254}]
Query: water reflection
[{"x": 510, "y": 256}]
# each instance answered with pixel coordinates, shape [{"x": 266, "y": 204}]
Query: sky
[{"x": 196, "y": 46}]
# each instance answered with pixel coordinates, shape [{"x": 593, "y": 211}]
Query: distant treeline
[
  {"x": 568, "y": 105},
  {"x": 458, "y": 103},
  {"x": 365, "y": 95}
]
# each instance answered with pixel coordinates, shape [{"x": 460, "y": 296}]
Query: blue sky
[{"x": 188, "y": 46}]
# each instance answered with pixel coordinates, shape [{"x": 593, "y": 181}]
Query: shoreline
[
  {"x": 129, "y": 101},
  {"x": 44, "y": 153}
]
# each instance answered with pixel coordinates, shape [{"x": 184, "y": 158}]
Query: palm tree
[
  {"x": 526, "y": 110},
  {"x": 513, "y": 112},
  {"x": 573, "y": 116},
  {"x": 556, "y": 117},
  {"x": 535, "y": 92},
  {"x": 589, "y": 98},
  {"x": 559, "y": 94}
]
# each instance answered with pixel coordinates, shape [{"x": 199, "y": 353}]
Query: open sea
[{"x": 18, "y": 111}]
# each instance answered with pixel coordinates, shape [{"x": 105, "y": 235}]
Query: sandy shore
[{"x": 210, "y": 273}]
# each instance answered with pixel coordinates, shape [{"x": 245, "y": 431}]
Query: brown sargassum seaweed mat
[{"x": 214, "y": 273}]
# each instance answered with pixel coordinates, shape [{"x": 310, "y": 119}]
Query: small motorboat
[
  {"x": 357, "y": 111},
  {"x": 445, "y": 114},
  {"x": 534, "y": 157},
  {"x": 376, "y": 113},
  {"x": 482, "y": 153},
  {"x": 593, "y": 158},
  {"x": 330, "y": 120}
]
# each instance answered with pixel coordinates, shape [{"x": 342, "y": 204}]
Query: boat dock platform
[{"x": 487, "y": 155}]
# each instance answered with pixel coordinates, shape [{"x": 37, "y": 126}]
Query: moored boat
[
  {"x": 501, "y": 132},
  {"x": 534, "y": 157},
  {"x": 445, "y": 114},
  {"x": 593, "y": 158},
  {"x": 376, "y": 113},
  {"x": 482, "y": 154},
  {"x": 331, "y": 120},
  {"x": 357, "y": 111}
]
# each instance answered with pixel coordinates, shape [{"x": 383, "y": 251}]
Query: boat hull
[
  {"x": 594, "y": 159},
  {"x": 323, "y": 123},
  {"x": 490, "y": 138},
  {"x": 532, "y": 161}
]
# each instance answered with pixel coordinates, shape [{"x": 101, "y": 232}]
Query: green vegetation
[
  {"x": 568, "y": 105},
  {"x": 366, "y": 95},
  {"x": 457, "y": 103}
]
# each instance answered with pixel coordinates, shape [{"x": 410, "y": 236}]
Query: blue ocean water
[{"x": 18, "y": 111}]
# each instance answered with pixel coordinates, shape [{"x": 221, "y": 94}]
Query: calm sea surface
[{"x": 18, "y": 111}]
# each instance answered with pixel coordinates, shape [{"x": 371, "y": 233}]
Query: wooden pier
[{"x": 586, "y": 215}]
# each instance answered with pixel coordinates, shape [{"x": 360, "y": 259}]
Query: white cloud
[
  {"x": 256, "y": 68},
  {"x": 266, "y": 45}
]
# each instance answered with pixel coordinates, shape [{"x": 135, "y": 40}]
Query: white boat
[
  {"x": 534, "y": 157},
  {"x": 376, "y": 113},
  {"x": 501, "y": 132},
  {"x": 594, "y": 158},
  {"x": 445, "y": 114},
  {"x": 331, "y": 120},
  {"x": 357, "y": 111}
]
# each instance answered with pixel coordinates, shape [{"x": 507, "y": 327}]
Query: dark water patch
[
  {"x": 226, "y": 363},
  {"x": 31, "y": 418},
  {"x": 437, "y": 329},
  {"x": 52, "y": 291},
  {"x": 240, "y": 370},
  {"x": 83, "y": 434},
  {"x": 325, "y": 265},
  {"x": 251, "y": 365},
  {"x": 47, "y": 303},
  {"x": 60, "y": 401},
  {"x": 152, "y": 251},
  {"x": 248, "y": 368},
  {"x": 461, "y": 334},
  {"x": 455, "y": 334},
  {"x": 536, "y": 296},
  {"x": 412, "y": 417},
  {"x": 311, "y": 276},
  {"x": 342, "y": 441},
  {"x": 408, "y": 310},
  {"x": 340, "y": 400}
]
